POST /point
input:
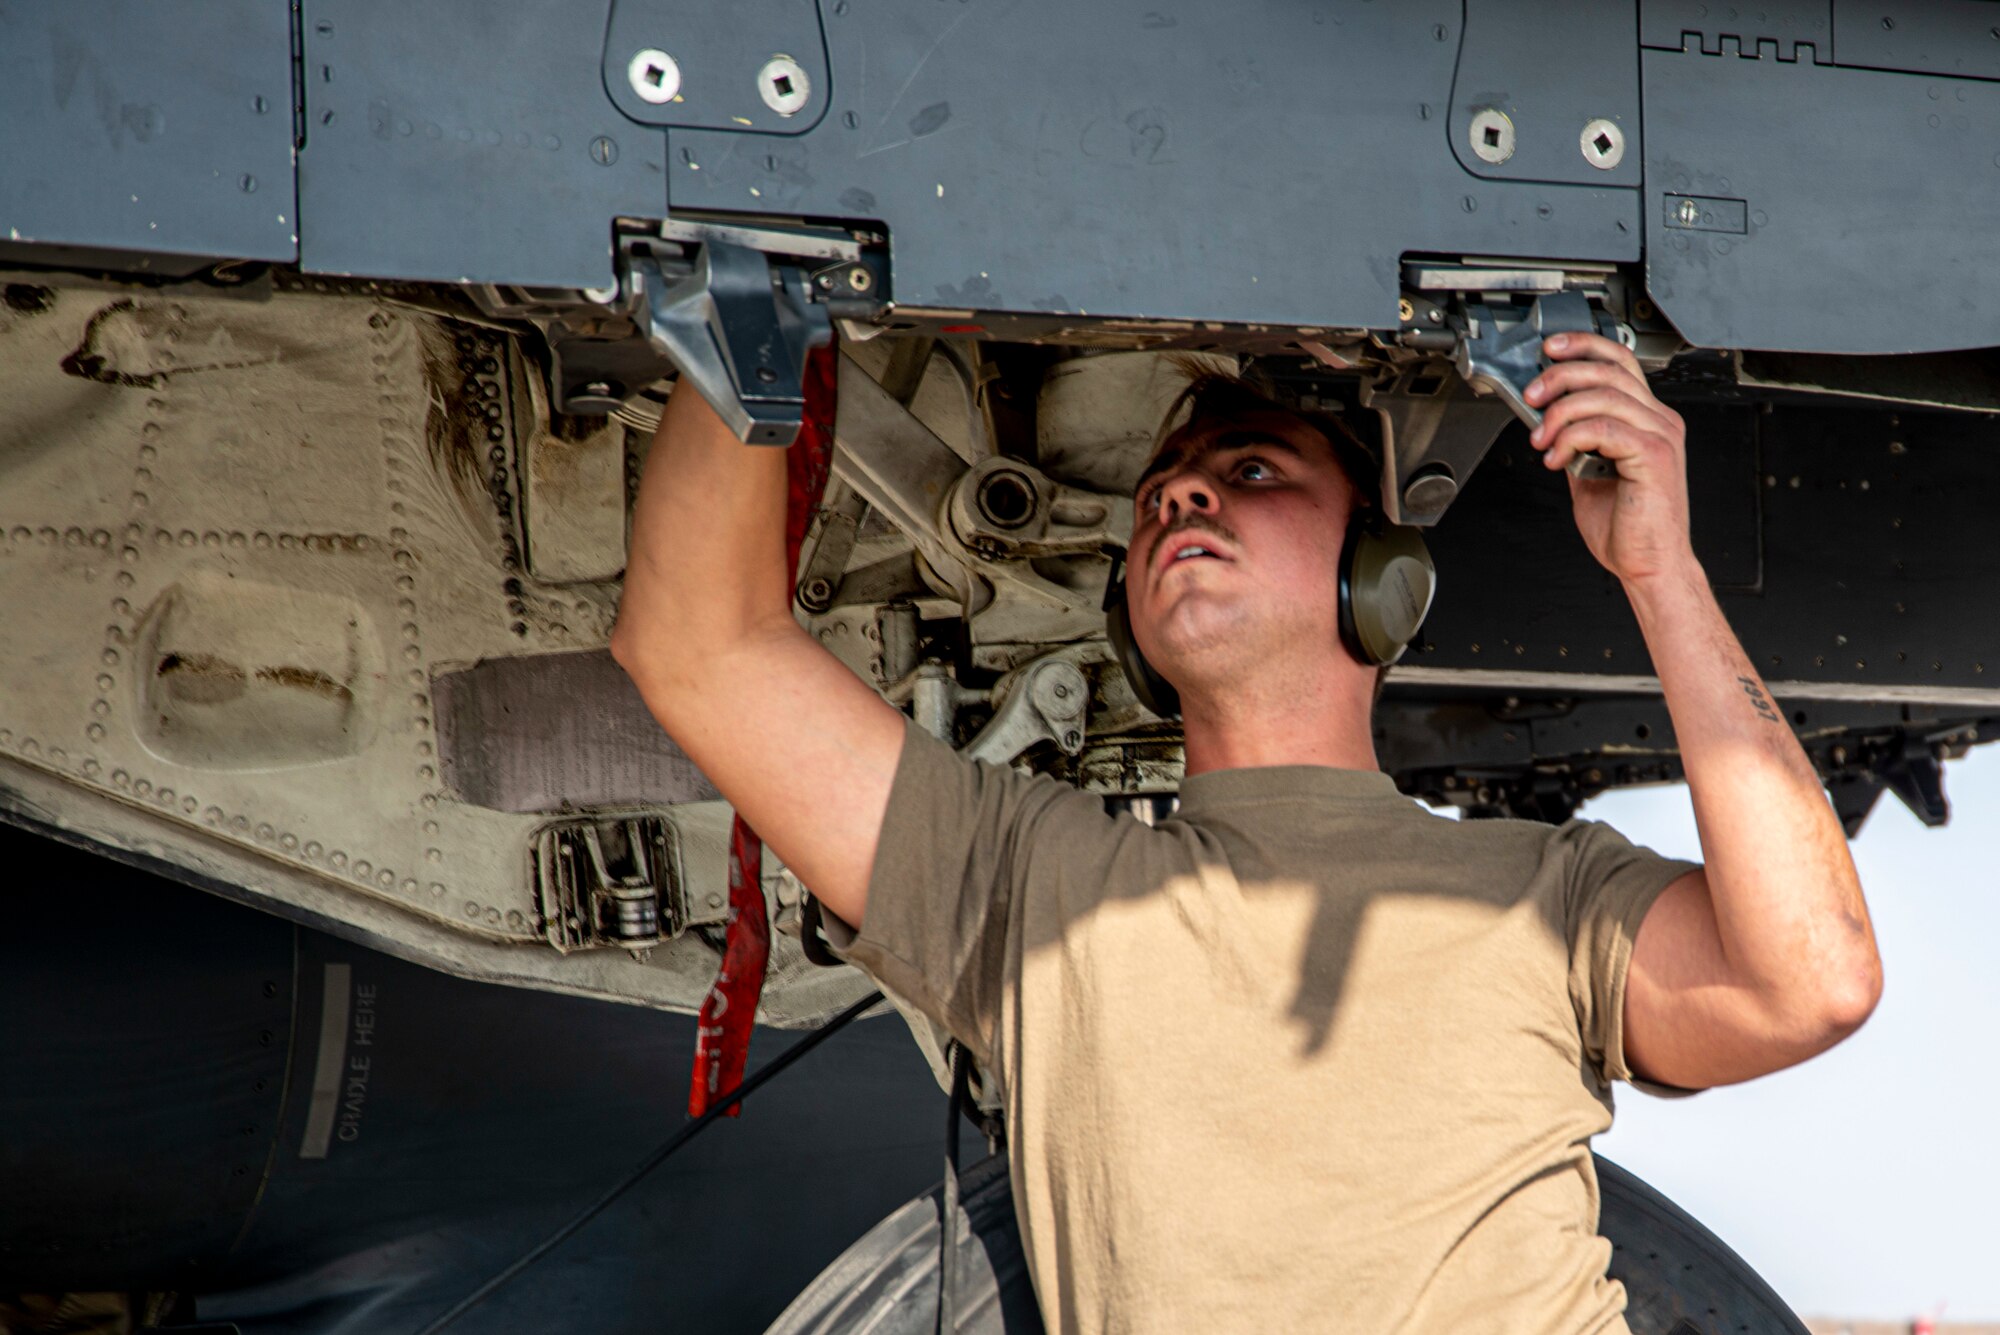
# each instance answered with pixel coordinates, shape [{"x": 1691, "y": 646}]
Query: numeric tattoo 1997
[{"x": 1765, "y": 709}]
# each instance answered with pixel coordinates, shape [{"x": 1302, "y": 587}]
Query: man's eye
[
  {"x": 1253, "y": 470},
  {"x": 1149, "y": 500}
]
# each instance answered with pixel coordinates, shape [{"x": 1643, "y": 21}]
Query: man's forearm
[
  {"x": 801, "y": 747},
  {"x": 707, "y": 565},
  {"x": 1787, "y": 902}
]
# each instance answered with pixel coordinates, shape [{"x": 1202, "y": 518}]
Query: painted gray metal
[
  {"x": 466, "y": 141},
  {"x": 147, "y": 127},
  {"x": 1955, "y": 37},
  {"x": 719, "y": 49},
  {"x": 1166, "y": 160},
  {"x": 1506, "y": 64},
  {"x": 1868, "y": 197},
  {"x": 1258, "y": 164},
  {"x": 1774, "y": 30}
]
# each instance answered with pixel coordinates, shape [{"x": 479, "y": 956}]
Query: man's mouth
[{"x": 1188, "y": 545}]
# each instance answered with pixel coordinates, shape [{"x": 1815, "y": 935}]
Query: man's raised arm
[
  {"x": 1766, "y": 956},
  {"x": 803, "y": 749}
]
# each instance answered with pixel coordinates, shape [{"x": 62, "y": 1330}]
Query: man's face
[{"x": 1236, "y": 535}]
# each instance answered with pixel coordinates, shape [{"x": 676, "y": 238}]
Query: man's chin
[{"x": 1201, "y": 633}]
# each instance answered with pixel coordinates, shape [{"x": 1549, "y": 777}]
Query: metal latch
[
  {"x": 1499, "y": 352},
  {"x": 614, "y": 881},
  {"x": 739, "y": 328},
  {"x": 736, "y": 308},
  {"x": 1487, "y": 328}
]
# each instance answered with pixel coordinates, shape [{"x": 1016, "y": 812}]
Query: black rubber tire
[{"x": 1680, "y": 1279}]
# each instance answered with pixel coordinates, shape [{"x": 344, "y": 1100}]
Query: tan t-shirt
[{"x": 1304, "y": 1057}]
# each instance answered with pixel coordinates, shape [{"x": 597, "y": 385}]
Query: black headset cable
[{"x": 765, "y": 1074}]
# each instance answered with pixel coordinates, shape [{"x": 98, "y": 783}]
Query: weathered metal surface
[
  {"x": 238, "y": 541},
  {"x": 556, "y": 732}
]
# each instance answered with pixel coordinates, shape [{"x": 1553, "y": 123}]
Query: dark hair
[{"x": 1211, "y": 393}]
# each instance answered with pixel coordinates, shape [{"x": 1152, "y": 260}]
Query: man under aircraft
[{"x": 1304, "y": 1054}]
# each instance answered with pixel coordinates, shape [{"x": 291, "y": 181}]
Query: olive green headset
[{"x": 1387, "y": 579}]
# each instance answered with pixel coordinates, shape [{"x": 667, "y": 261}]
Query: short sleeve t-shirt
[{"x": 1305, "y": 1056}]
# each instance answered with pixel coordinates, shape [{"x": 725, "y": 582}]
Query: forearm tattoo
[{"x": 1765, "y": 709}]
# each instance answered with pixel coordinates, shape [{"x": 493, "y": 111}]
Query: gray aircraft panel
[
  {"x": 468, "y": 141},
  {"x": 1251, "y": 164},
  {"x": 161, "y": 128},
  {"x": 1504, "y": 63},
  {"x": 1800, "y": 207},
  {"x": 717, "y": 57},
  {"x": 1774, "y": 29},
  {"x": 1955, "y": 37}
]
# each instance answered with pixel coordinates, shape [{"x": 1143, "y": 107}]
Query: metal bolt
[
  {"x": 1888, "y": 24},
  {"x": 783, "y": 85},
  {"x": 604, "y": 150},
  {"x": 248, "y": 184},
  {"x": 860, "y": 279},
  {"x": 1492, "y": 134},
  {"x": 598, "y": 389},
  {"x": 654, "y": 76},
  {"x": 1405, "y": 311},
  {"x": 1603, "y": 144},
  {"x": 1689, "y": 213},
  {"x": 817, "y": 594},
  {"x": 1061, "y": 691}
]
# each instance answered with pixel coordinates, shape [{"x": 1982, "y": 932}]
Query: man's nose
[{"x": 1188, "y": 491}]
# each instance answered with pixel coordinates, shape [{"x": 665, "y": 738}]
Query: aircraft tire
[{"x": 1680, "y": 1279}]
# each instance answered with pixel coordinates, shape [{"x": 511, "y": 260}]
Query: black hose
[
  {"x": 961, "y": 1083},
  {"x": 764, "y": 1076}
]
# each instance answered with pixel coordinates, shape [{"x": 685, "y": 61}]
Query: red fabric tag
[{"x": 729, "y": 1012}]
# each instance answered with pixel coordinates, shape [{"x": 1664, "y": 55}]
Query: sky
[{"x": 1865, "y": 1183}]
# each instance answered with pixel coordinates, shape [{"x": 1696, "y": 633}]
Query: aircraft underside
[
  {"x": 329, "y": 369},
  {"x": 333, "y": 333}
]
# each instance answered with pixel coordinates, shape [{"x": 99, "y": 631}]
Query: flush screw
[
  {"x": 1603, "y": 144},
  {"x": 783, "y": 85},
  {"x": 655, "y": 77},
  {"x": 1492, "y": 135}
]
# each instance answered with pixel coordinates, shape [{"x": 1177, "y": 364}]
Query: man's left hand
[{"x": 1595, "y": 400}]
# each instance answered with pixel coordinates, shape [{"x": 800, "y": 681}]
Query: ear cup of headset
[
  {"x": 1387, "y": 580},
  {"x": 1154, "y": 691}
]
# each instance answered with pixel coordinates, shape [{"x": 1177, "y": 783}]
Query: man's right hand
[{"x": 801, "y": 747}]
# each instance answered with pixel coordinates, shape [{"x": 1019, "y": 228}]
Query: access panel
[{"x": 154, "y": 127}]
